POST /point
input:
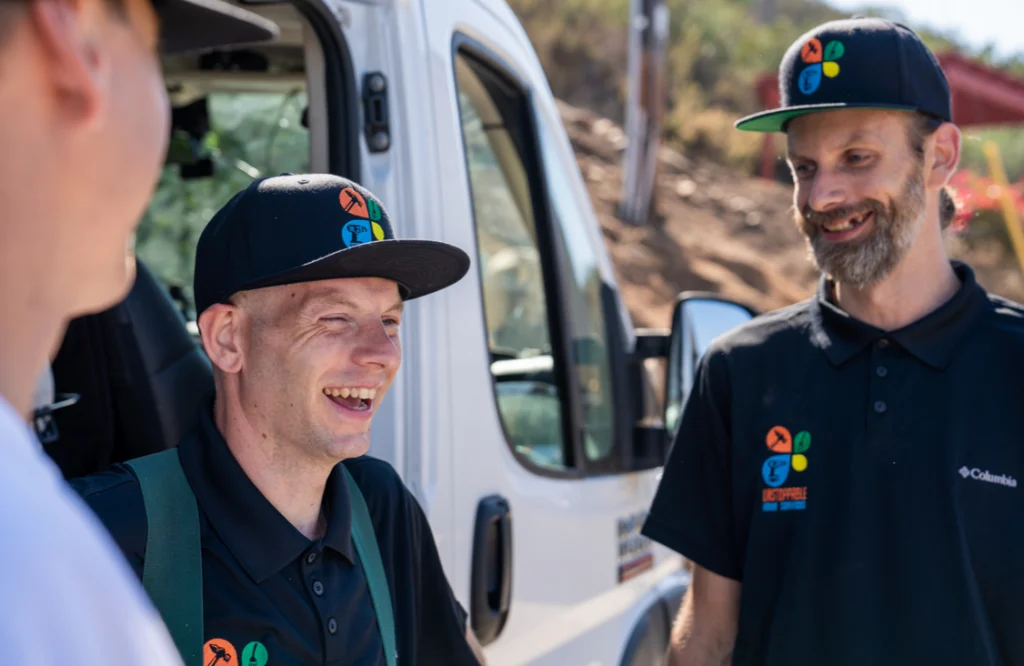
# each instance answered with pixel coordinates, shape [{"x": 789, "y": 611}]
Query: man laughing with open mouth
[{"x": 311, "y": 551}]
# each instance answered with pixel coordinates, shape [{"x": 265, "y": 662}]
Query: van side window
[
  {"x": 582, "y": 297},
  {"x": 529, "y": 396}
]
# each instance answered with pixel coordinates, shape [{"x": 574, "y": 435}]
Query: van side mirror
[{"x": 698, "y": 319}]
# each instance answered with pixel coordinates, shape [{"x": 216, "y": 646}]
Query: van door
[{"x": 551, "y": 567}]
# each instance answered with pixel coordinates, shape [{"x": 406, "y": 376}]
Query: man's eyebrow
[
  {"x": 314, "y": 300},
  {"x": 311, "y": 301},
  {"x": 859, "y": 136}
]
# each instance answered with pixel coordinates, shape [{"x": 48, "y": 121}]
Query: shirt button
[
  {"x": 880, "y": 407},
  {"x": 318, "y": 588},
  {"x": 310, "y": 558},
  {"x": 332, "y": 626},
  {"x": 883, "y": 343},
  {"x": 881, "y": 371}
]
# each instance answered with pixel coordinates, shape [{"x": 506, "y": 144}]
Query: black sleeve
[
  {"x": 461, "y": 613},
  {"x": 115, "y": 497},
  {"x": 442, "y": 619},
  {"x": 692, "y": 512}
]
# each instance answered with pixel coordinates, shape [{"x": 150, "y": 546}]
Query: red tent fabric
[{"x": 982, "y": 95}]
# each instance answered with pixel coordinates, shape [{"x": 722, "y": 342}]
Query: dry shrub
[{"x": 710, "y": 132}]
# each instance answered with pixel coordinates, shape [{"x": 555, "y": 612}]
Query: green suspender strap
[
  {"x": 173, "y": 569},
  {"x": 365, "y": 540}
]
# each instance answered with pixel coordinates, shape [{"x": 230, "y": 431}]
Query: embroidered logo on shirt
[
  {"x": 988, "y": 477},
  {"x": 789, "y": 454},
  {"x": 254, "y": 654},
  {"x": 219, "y": 652}
]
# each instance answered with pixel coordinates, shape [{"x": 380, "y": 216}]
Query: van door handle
[{"x": 491, "y": 584}]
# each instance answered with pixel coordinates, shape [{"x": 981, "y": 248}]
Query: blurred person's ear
[{"x": 69, "y": 36}]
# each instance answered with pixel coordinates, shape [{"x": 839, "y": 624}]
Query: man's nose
[
  {"x": 826, "y": 191},
  {"x": 374, "y": 346}
]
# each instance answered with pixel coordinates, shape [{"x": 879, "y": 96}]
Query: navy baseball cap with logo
[
  {"x": 856, "y": 63},
  {"x": 302, "y": 228}
]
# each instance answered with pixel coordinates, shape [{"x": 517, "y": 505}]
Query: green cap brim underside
[{"x": 776, "y": 119}]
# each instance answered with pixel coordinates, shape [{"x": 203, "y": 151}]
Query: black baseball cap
[
  {"x": 856, "y": 63},
  {"x": 198, "y": 25},
  {"x": 301, "y": 228}
]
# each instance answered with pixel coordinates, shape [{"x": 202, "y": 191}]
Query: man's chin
[
  {"x": 101, "y": 294},
  {"x": 343, "y": 447},
  {"x": 855, "y": 272}
]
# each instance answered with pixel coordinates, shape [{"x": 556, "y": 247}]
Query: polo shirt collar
[
  {"x": 933, "y": 339},
  {"x": 260, "y": 538}
]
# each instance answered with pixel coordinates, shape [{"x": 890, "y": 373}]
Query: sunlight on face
[
  {"x": 319, "y": 358},
  {"x": 122, "y": 152},
  {"x": 859, "y": 195}
]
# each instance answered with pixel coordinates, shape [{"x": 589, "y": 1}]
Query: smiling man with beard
[{"x": 844, "y": 476}]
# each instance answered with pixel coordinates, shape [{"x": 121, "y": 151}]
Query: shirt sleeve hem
[{"x": 692, "y": 549}]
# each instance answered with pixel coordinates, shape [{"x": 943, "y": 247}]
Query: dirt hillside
[{"x": 720, "y": 231}]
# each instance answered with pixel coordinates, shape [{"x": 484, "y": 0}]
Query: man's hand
[
  {"x": 475, "y": 646},
  {"x": 705, "y": 631}
]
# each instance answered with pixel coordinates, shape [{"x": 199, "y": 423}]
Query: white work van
[{"x": 522, "y": 416}]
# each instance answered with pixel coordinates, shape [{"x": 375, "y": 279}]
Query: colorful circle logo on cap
[
  {"x": 353, "y": 203},
  {"x": 360, "y": 231},
  {"x": 373, "y": 210},
  {"x": 356, "y": 232},
  {"x": 789, "y": 454},
  {"x": 820, "y": 61}
]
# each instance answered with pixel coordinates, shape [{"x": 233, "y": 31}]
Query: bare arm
[{"x": 705, "y": 631}]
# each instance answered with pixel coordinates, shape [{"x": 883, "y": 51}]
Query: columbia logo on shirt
[{"x": 986, "y": 476}]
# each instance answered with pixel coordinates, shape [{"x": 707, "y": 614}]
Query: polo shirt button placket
[{"x": 878, "y": 387}]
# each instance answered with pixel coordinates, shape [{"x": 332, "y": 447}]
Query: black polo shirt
[
  {"x": 303, "y": 602},
  {"x": 863, "y": 486}
]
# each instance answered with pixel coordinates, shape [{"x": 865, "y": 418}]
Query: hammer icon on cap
[{"x": 352, "y": 200}]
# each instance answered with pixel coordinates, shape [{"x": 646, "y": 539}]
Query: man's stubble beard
[{"x": 866, "y": 261}]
